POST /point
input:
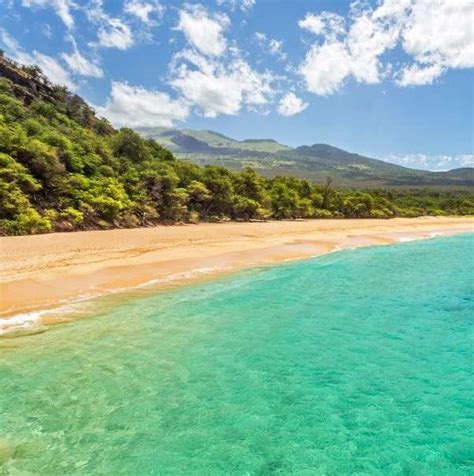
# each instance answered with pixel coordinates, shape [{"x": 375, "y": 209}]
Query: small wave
[
  {"x": 20, "y": 322},
  {"x": 406, "y": 239},
  {"x": 33, "y": 320},
  {"x": 180, "y": 276}
]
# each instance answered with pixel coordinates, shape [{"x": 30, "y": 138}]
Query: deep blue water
[{"x": 359, "y": 362}]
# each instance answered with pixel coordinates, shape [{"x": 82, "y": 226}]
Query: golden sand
[{"x": 41, "y": 271}]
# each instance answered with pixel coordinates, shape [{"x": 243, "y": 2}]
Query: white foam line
[
  {"x": 170, "y": 278},
  {"x": 32, "y": 320},
  {"x": 405, "y": 239},
  {"x": 182, "y": 276},
  {"x": 434, "y": 234},
  {"x": 20, "y": 321}
]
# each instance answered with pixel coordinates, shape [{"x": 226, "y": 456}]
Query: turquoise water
[{"x": 358, "y": 362}]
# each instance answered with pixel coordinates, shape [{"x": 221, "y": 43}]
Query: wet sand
[{"x": 38, "y": 272}]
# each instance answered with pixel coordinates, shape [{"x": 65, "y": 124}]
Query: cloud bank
[
  {"x": 213, "y": 71},
  {"x": 436, "y": 35}
]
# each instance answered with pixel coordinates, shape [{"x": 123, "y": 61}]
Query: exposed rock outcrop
[{"x": 25, "y": 86}]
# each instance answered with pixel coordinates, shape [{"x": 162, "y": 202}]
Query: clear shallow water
[{"x": 358, "y": 362}]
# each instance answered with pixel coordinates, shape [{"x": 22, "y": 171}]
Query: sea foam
[{"x": 33, "y": 320}]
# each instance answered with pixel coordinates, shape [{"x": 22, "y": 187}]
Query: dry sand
[{"x": 41, "y": 271}]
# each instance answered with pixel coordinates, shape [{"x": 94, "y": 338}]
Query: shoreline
[{"x": 41, "y": 274}]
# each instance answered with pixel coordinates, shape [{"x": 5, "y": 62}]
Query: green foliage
[
  {"x": 17, "y": 216},
  {"x": 13, "y": 172},
  {"x": 283, "y": 200},
  {"x": 76, "y": 217},
  {"x": 62, "y": 168},
  {"x": 245, "y": 208}
]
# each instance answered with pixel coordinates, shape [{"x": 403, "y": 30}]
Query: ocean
[{"x": 358, "y": 362}]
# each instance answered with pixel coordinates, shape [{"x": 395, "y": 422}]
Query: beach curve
[{"x": 41, "y": 272}]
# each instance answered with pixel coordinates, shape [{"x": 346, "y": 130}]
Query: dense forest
[{"x": 62, "y": 168}]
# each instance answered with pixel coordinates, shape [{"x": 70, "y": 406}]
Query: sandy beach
[{"x": 42, "y": 271}]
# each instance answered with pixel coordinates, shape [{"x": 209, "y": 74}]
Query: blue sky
[{"x": 392, "y": 79}]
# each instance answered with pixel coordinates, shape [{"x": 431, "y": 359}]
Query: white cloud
[
  {"x": 50, "y": 66},
  {"x": 441, "y": 32},
  {"x": 438, "y": 35},
  {"x": 248, "y": 4},
  {"x": 10, "y": 42},
  {"x": 290, "y": 104},
  {"x": 433, "y": 162},
  {"x": 416, "y": 75},
  {"x": 312, "y": 23},
  {"x": 81, "y": 65},
  {"x": 218, "y": 88},
  {"x": 342, "y": 53},
  {"x": 273, "y": 46},
  {"x": 325, "y": 68},
  {"x": 62, "y": 8},
  {"x": 366, "y": 42},
  {"x": 244, "y": 5},
  {"x": 329, "y": 24},
  {"x": 135, "y": 106},
  {"x": 213, "y": 76},
  {"x": 203, "y": 31},
  {"x": 144, "y": 10},
  {"x": 112, "y": 32}
]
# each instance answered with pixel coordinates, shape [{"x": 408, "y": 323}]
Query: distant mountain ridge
[
  {"x": 315, "y": 162},
  {"x": 190, "y": 141}
]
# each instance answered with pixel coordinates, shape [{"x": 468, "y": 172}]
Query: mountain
[
  {"x": 194, "y": 141},
  {"x": 315, "y": 162}
]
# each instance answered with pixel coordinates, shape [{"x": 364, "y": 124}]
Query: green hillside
[
  {"x": 314, "y": 163},
  {"x": 177, "y": 140},
  {"x": 62, "y": 169}
]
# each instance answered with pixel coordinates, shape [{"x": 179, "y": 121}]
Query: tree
[
  {"x": 199, "y": 196},
  {"x": 33, "y": 70},
  {"x": 177, "y": 210},
  {"x": 283, "y": 201},
  {"x": 327, "y": 193},
  {"x": 218, "y": 181},
  {"x": 245, "y": 208},
  {"x": 358, "y": 205},
  {"x": 129, "y": 145},
  {"x": 249, "y": 184}
]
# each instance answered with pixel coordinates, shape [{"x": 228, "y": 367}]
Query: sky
[{"x": 391, "y": 79}]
